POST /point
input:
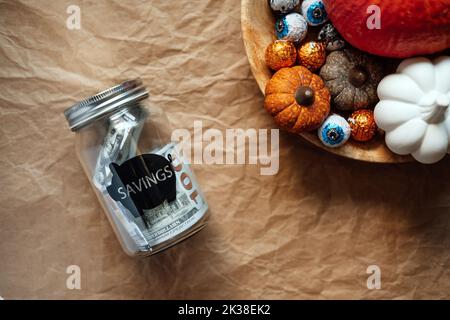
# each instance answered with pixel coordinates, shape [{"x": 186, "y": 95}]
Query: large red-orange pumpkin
[{"x": 408, "y": 27}]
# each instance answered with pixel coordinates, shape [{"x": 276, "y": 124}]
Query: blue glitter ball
[
  {"x": 314, "y": 12},
  {"x": 292, "y": 27},
  {"x": 335, "y": 131}
]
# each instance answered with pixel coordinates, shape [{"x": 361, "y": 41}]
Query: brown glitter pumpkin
[
  {"x": 297, "y": 99},
  {"x": 352, "y": 78}
]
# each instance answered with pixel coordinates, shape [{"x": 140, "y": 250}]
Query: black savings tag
[{"x": 143, "y": 182}]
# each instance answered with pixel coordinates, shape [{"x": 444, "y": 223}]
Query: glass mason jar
[{"x": 149, "y": 194}]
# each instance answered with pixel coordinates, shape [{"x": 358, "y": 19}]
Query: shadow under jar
[{"x": 148, "y": 192}]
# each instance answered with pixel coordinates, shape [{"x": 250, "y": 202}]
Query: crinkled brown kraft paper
[{"x": 308, "y": 232}]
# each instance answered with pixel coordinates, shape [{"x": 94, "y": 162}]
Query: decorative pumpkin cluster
[
  {"x": 412, "y": 105},
  {"x": 346, "y": 81}
]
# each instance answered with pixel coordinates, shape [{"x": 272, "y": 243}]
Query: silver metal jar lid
[{"x": 104, "y": 103}]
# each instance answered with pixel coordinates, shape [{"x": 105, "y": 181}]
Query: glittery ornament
[
  {"x": 334, "y": 132},
  {"x": 280, "y": 54},
  {"x": 291, "y": 27},
  {"x": 312, "y": 55},
  {"x": 314, "y": 12},
  {"x": 329, "y": 35},
  {"x": 283, "y": 6},
  {"x": 363, "y": 125}
]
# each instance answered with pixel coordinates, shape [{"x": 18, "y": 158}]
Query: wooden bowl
[{"x": 258, "y": 31}]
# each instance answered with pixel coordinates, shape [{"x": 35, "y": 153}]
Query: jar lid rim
[{"x": 105, "y": 102}]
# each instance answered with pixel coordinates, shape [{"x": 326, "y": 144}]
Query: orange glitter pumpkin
[{"x": 297, "y": 99}]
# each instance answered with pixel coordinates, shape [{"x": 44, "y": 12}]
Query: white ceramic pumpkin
[{"x": 414, "y": 108}]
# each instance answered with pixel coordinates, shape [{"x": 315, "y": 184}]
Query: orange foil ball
[
  {"x": 312, "y": 55},
  {"x": 280, "y": 54},
  {"x": 362, "y": 123}
]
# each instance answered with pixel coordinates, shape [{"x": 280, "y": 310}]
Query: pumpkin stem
[
  {"x": 437, "y": 109},
  {"x": 357, "y": 76},
  {"x": 304, "y": 96}
]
